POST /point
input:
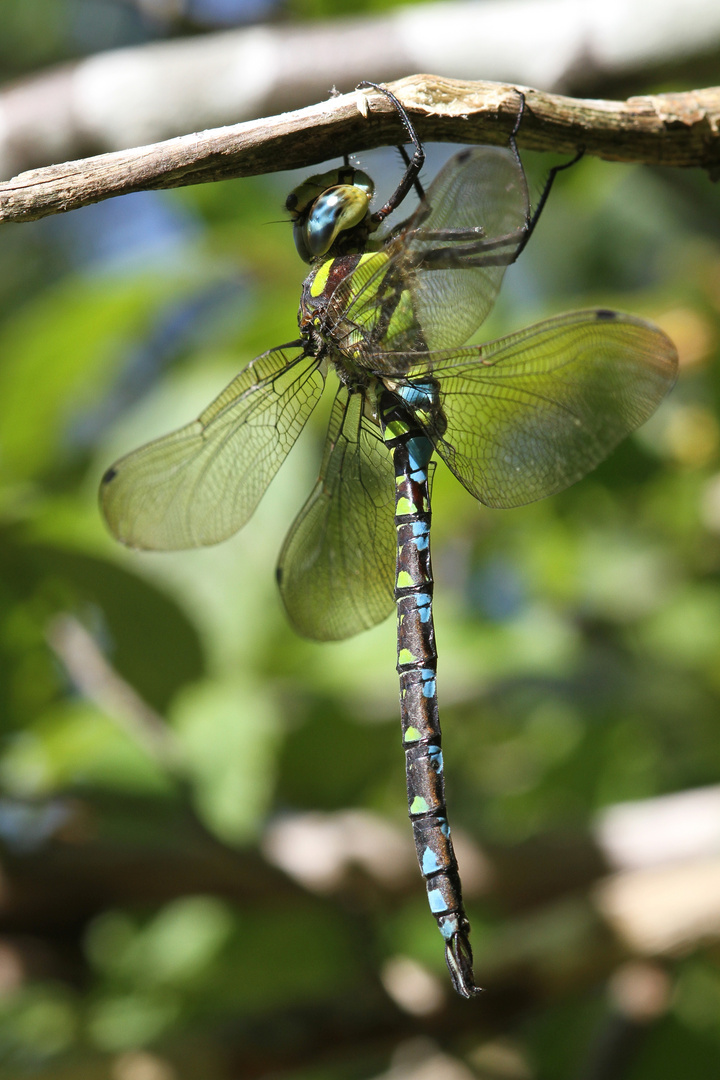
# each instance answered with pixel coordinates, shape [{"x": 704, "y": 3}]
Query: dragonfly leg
[
  {"x": 530, "y": 227},
  {"x": 414, "y": 164},
  {"x": 471, "y": 250},
  {"x": 544, "y": 198},
  {"x": 419, "y": 189}
]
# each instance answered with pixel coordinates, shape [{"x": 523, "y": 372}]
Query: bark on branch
[{"x": 680, "y": 129}]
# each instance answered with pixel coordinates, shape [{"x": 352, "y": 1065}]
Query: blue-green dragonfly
[{"x": 389, "y": 310}]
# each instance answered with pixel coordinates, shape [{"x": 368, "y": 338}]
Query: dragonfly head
[{"x": 328, "y": 205}]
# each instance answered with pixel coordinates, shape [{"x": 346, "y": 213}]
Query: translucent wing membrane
[
  {"x": 433, "y": 284},
  {"x": 336, "y": 566},
  {"x": 459, "y": 272},
  {"x": 200, "y": 484},
  {"x": 529, "y": 414}
]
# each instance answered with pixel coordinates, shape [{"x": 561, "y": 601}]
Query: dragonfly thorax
[
  {"x": 353, "y": 310},
  {"x": 331, "y": 213}
]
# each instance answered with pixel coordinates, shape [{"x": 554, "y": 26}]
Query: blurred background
[{"x": 206, "y": 869}]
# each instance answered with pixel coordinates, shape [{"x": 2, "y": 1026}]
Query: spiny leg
[
  {"x": 475, "y": 248},
  {"x": 417, "y": 669},
  {"x": 544, "y": 195},
  {"x": 414, "y": 165},
  {"x": 419, "y": 189}
]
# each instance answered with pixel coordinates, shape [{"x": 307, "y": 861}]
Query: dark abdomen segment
[{"x": 417, "y": 668}]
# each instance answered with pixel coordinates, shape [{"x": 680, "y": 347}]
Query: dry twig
[{"x": 666, "y": 129}]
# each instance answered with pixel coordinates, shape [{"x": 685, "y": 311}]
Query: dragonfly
[{"x": 389, "y": 310}]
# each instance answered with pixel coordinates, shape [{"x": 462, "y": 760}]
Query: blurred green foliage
[{"x": 579, "y": 639}]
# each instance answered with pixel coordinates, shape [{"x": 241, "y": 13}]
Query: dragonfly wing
[
  {"x": 337, "y": 564},
  {"x": 201, "y": 483},
  {"x": 457, "y": 279},
  {"x": 434, "y": 281},
  {"x": 529, "y": 414}
]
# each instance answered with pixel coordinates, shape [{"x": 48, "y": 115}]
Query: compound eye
[
  {"x": 338, "y": 209},
  {"x": 301, "y": 241}
]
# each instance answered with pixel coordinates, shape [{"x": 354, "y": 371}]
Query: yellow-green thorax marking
[{"x": 359, "y": 307}]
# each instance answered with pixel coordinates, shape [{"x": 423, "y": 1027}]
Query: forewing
[
  {"x": 529, "y": 414},
  {"x": 434, "y": 282},
  {"x": 480, "y": 188},
  {"x": 337, "y": 564},
  {"x": 201, "y": 483}
]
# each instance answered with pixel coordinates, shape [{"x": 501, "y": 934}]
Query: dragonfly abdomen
[{"x": 417, "y": 670}]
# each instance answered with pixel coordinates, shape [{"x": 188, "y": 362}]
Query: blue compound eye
[
  {"x": 336, "y": 210},
  {"x": 325, "y": 205}
]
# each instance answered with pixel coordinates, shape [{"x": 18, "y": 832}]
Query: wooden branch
[
  {"x": 665, "y": 129},
  {"x": 164, "y": 88}
]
